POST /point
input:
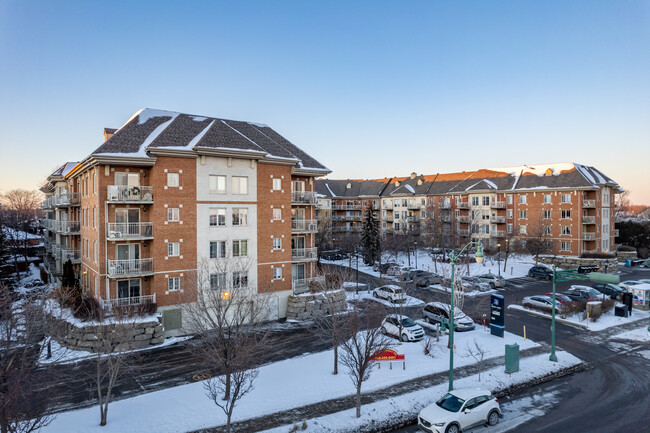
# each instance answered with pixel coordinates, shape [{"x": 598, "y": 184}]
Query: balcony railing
[
  {"x": 130, "y": 268},
  {"x": 346, "y": 207},
  {"x": 72, "y": 254},
  {"x": 387, "y": 218},
  {"x": 130, "y": 194},
  {"x": 387, "y": 205},
  {"x": 444, "y": 205},
  {"x": 463, "y": 205},
  {"x": 414, "y": 206},
  {"x": 67, "y": 199},
  {"x": 302, "y": 285},
  {"x": 108, "y": 304},
  {"x": 48, "y": 203},
  {"x": 463, "y": 218},
  {"x": 445, "y": 219},
  {"x": 304, "y": 253},
  {"x": 412, "y": 219},
  {"x": 499, "y": 234},
  {"x": 498, "y": 205},
  {"x": 47, "y": 223},
  {"x": 497, "y": 219},
  {"x": 301, "y": 226},
  {"x": 463, "y": 232},
  {"x": 347, "y": 229},
  {"x": 589, "y": 236},
  {"x": 303, "y": 197},
  {"x": 129, "y": 231},
  {"x": 67, "y": 227},
  {"x": 588, "y": 203},
  {"x": 589, "y": 219}
]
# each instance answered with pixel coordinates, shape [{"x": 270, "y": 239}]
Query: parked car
[
  {"x": 493, "y": 280},
  {"x": 436, "y": 312},
  {"x": 384, "y": 267},
  {"x": 632, "y": 284},
  {"x": 611, "y": 290},
  {"x": 424, "y": 279},
  {"x": 584, "y": 293},
  {"x": 540, "y": 301},
  {"x": 333, "y": 255},
  {"x": 397, "y": 271},
  {"x": 473, "y": 284},
  {"x": 459, "y": 410},
  {"x": 562, "y": 298},
  {"x": 645, "y": 281},
  {"x": 390, "y": 293},
  {"x": 540, "y": 272},
  {"x": 402, "y": 327}
]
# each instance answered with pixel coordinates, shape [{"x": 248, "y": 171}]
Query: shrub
[
  {"x": 135, "y": 310},
  {"x": 597, "y": 256},
  {"x": 87, "y": 309},
  {"x": 427, "y": 345},
  {"x": 626, "y": 248},
  {"x": 575, "y": 308},
  {"x": 44, "y": 275},
  {"x": 608, "y": 305}
]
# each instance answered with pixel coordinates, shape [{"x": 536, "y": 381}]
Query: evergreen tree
[
  {"x": 370, "y": 239},
  {"x": 68, "y": 278}
]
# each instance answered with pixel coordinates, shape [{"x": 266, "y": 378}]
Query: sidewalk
[{"x": 297, "y": 415}]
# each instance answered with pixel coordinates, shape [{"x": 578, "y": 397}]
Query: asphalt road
[{"x": 613, "y": 395}]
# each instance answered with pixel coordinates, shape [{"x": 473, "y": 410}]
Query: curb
[{"x": 546, "y": 316}]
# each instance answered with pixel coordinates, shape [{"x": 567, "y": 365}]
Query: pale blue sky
[{"x": 369, "y": 88}]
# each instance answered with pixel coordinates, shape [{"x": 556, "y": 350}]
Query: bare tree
[
  {"x": 349, "y": 243},
  {"x": 538, "y": 238},
  {"x": 226, "y": 315},
  {"x": 477, "y": 352},
  {"x": 20, "y": 208},
  {"x": 357, "y": 352},
  {"x": 24, "y": 408}
]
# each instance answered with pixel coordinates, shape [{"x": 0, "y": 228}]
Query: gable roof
[{"x": 151, "y": 129}]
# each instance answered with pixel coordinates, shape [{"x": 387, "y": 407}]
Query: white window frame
[
  {"x": 173, "y": 180},
  {"x": 237, "y": 247},
  {"x": 565, "y": 246},
  {"x": 277, "y": 244},
  {"x": 277, "y": 214},
  {"x": 277, "y": 273},
  {"x": 220, "y": 250},
  {"x": 239, "y": 185},
  {"x": 547, "y": 198},
  {"x": 173, "y": 249},
  {"x": 173, "y": 284},
  {"x": 277, "y": 184},
  {"x": 218, "y": 178},
  {"x": 217, "y": 212},
  {"x": 240, "y": 217},
  {"x": 565, "y": 198},
  {"x": 173, "y": 214}
]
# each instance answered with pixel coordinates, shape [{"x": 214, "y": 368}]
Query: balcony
[
  {"x": 497, "y": 219},
  {"x": 47, "y": 224},
  {"x": 130, "y": 268},
  {"x": 589, "y": 219},
  {"x": 463, "y": 205},
  {"x": 130, "y": 194},
  {"x": 72, "y": 254},
  {"x": 444, "y": 205},
  {"x": 303, "y": 198},
  {"x": 304, "y": 254},
  {"x": 412, "y": 219},
  {"x": 498, "y": 205},
  {"x": 67, "y": 199},
  {"x": 345, "y": 229},
  {"x": 355, "y": 217},
  {"x": 48, "y": 203},
  {"x": 346, "y": 207},
  {"x": 67, "y": 227},
  {"x": 463, "y": 219},
  {"x": 499, "y": 234},
  {"x": 387, "y": 218},
  {"x": 589, "y": 236},
  {"x": 414, "y": 206},
  {"x": 129, "y": 231},
  {"x": 445, "y": 219},
  {"x": 463, "y": 232},
  {"x": 588, "y": 204},
  {"x": 302, "y": 285},
  {"x": 108, "y": 304},
  {"x": 303, "y": 226},
  {"x": 387, "y": 205}
]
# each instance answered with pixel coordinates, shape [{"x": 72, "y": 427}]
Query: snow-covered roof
[{"x": 150, "y": 129}]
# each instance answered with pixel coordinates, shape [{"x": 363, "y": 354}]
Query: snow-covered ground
[
  {"x": 407, "y": 406},
  {"x": 640, "y": 334},
  {"x": 285, "y": 384},
  {"x": 605, "y": 321},
  {"x": 410, "y": 301},
  {"x": 468, "y": 294}
]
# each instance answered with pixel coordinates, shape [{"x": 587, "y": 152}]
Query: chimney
[
  {"x": 108, "y": 133},
  {"x": 413, "y": 175}
]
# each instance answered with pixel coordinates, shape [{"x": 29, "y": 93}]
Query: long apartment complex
[
  {"x": 169, "y": 193},
  {"x": 570, "y": 205}
]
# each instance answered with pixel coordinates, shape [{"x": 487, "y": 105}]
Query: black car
[
  {"x": 333, "y": 255},
  {"x": 583, "y": 294},
  {"x": 540, "y": 272},
  {"x": 611, "y": 290},
  {"x": 384, "y": 267}
]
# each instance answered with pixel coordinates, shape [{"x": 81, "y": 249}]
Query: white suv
[
  {"x": 459, "y": 410},
  {"x": 390, "y": 293},
  {"x": 402, "y": 327}
]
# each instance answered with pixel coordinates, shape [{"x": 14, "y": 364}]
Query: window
[
  {"x": 173, "y": 179},
  {"x": 240, "y": 185},
  {"x": 173, "y": 214},
  {"x": 509, "y": 228},
  {"x": 404, "y": 202},
  {"x": 277, "y": 243},
  {"x": 474, "y": 201},
  {"x": 277, "y": 184},
  {"x": 509, "y": 213},
  {"x": 240, "y": 216},
  {"x": 522, "y": 230},
  {"x": 605, "y": 245},
  {"x": 566, "y": 230},
  {"x": 485, "y": 215},
  {"x": 396, "y": 215},
  {"x": 95, "y": 218},
  {"x": 547, "y": 214},
  {"x": 217, "y": 184},
  {"x": 605, "y": 203},
  {"x": 509, "y": 198},
  {"x": 174, "y": 284},
  {"x": 217, "y": 217},
  {"x": 523, "y": 214},
  {"x": 240, "y": 279},
  {"x": 547, "y": 198},
  {"x": 566, "y": 198},
  {"x": 277, "y": 273},
  {"x": 566, "y": 214},
  {"x": 486, "y": 200},
  {"x": 217, "y": 281},
  {"x": 173, "y": 249},
  {"x": 522, "y": 199},
  {"x": 396, "y": 226},
  {"x": 277, "y": 214},
  {"x": 565, "y": 246},
  {"x": 431, "y": 201},
  {"x": 547, "y": 230},
  {"x": 485, "y": 229},
  {"x": 95, "y": 251},
  {"x": 217, "y": 249},
  {"x": 240, "y": 248}
]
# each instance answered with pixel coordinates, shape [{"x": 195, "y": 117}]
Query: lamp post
[
  {"x": 356, "y": 253},
  {"x": 416, "y": 254},
  {"x": 499, "y": 259},
  {"x": 553, "y": 356},
  {"x": 452, "y": 258}
]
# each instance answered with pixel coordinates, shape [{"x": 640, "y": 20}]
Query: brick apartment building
[
  {"x": 168, "y": 193},
  {"x": 571, "y": 204}
]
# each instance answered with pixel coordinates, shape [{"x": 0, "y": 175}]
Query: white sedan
[
  {"x": 632, "y": 284},
  {"x": 459, "y": 410}
]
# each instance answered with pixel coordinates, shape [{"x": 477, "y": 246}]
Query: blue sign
[{"x": 497, "y": 315}]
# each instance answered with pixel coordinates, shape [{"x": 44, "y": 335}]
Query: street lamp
[
  {"x": 499, "y": 259},
  {"x": 452, "y": 258},
  {"x": 356, "y": 253},
  {"x": 553, "y": 356},
  {"x": 416, "y": 254}
]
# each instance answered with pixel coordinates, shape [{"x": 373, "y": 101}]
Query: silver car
[{"x": 493, "y": 280}]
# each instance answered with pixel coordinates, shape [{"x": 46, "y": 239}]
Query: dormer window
[
  {"x": 349, "y": 186},
  {"x": 548, "y": 172}
]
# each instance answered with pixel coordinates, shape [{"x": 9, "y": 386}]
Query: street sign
[{"x": 497, "y": 315}]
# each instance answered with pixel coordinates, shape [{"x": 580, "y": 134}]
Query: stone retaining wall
[
  {"x": 569, "y": 262},
  {"x": 310, "y": 305},
  {"x": 128, "y": 335},
  {"x": 624, "y": 255}
]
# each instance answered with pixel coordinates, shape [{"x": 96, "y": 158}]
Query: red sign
[{"x": 387, "y": 355}]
